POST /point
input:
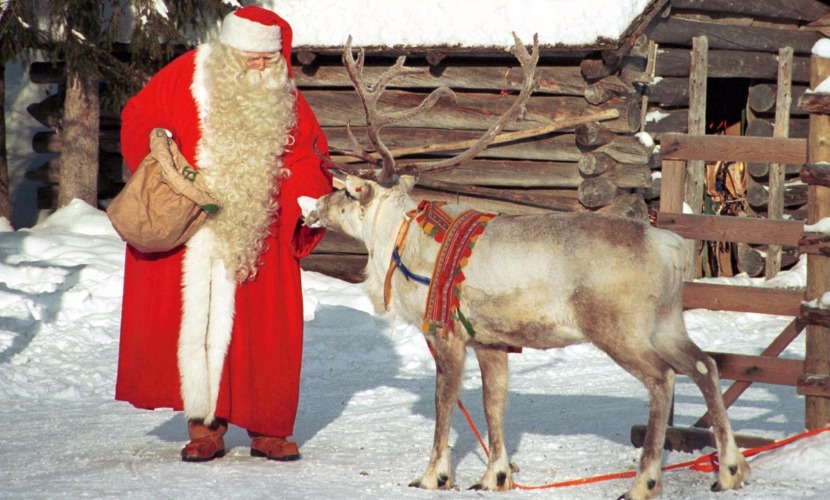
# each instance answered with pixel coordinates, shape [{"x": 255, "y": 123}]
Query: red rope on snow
[{"x": 705, "y": 463}]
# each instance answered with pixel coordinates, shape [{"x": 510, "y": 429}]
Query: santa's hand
[{"x": 308, "y": 206}]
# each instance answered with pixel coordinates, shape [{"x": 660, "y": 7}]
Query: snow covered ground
[{"x": 365, "y": 418}]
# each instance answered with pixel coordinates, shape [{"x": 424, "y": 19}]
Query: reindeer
[{"x": 540, "y": 281}]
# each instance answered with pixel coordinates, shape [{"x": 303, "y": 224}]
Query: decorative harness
[{"x": 456, "y": 228}]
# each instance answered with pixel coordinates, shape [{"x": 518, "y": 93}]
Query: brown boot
[
  {"x": 273, "y": 447},
  {"x": 206, "y": 442}
]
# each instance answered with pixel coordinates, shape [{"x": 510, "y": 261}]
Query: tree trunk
[
  {"x": 5, "y": 192},
  {"x": 79, "y": 135}
]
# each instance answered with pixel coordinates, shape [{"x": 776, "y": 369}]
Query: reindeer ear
[
  {"x": 354, "y": 186},
  {"x": 407, "y": 182},
  {"x": 360, "y": 189}
]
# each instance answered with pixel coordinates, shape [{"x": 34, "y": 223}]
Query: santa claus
[{"x": 214, "y": 328}]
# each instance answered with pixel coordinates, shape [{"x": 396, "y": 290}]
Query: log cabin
[{"x": 641, "y": 78}]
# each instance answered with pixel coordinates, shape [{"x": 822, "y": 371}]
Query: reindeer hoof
[
  {"x": 442, "y": 483},
  {"x": 477, "y": 487}
]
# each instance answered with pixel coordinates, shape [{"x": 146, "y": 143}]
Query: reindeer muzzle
[{"x": 308, "y": 206}]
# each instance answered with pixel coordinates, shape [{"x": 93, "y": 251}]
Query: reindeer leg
[
  {"x": 687, "y": 358},
  {"x": 658, "y": 377},
  {"x": 494, "y": 375},
  {"x": 450, "y": 351},
  {"x": 649, "y": 482}
]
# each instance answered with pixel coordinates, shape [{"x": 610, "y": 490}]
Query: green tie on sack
[{"x": 164, "y": 202}]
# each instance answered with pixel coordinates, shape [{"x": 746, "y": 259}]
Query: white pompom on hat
[{"x": 252, "y": 29}]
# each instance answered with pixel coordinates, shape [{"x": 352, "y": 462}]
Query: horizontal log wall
[
  {"x": 556, "y": 171},
  {"x": 485, "y": 86}
]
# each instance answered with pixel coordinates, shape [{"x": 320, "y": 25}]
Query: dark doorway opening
[
  {"x": 725, "y": 182},
  {"x": 726, "y": 100}
]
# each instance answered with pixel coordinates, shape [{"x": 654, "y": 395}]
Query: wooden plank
[
  {"x": 815, "y": 315},
  {"x": 542, "y": 130},
  {"x": 507, "y": 173},
  {"x": 778, "y": 301},
  {"x": 815, "y": 102},
  {"x": 552, "y": 147},
  {"x": 730, "y": 64},
  {"x": 817, "y": 345},
  {"x": 733, "y": 148},
  {"x": 527, "y": 174},
  {"x": 735, "y": 229},
  {"x": 472, "y": 111},
  {"x": 689, "y": 439},
  {"x": 775, "y": 205},
  {"x": 538, "y": 198},
  {"x": 814, "y": 385},
  {"x": 769, "y": 370},
  {"x": 815, "y": 174},
  {"x": 560, "y": 80},
  {"x": 695, "y": 168},
  {"x": 671, "y": 186},
  {"x": 775, "y": 348},
  {"x": 668, "y": 92},
  {"x": 678, "y": 31},
  {"x": 797, "y": 10},
  {"x": 670, "y": 121}
]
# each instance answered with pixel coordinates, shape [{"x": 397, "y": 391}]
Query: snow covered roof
[{"x": 462, "y": 24}]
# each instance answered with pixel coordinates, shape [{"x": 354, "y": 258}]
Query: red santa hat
[{"x": 252, "y": 29}]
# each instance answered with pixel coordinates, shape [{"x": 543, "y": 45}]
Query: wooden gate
[{"x": 811, "y": 375}]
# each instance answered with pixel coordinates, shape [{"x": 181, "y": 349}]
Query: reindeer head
[{"x": 345, "y": 209}]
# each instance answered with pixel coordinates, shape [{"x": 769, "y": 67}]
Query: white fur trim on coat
[{"x": 208, "y": 302}]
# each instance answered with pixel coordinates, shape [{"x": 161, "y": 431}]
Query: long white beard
[{"x": 246, "y": 117}]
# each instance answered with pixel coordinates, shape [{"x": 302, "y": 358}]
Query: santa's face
[
  {"x": 260, "y": 60},
  {"x": 263, "y": 69}
]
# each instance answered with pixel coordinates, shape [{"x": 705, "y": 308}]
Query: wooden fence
[{"x": 811, "y": 375}]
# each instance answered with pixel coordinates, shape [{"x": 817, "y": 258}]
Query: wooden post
[
  {"x": 652, "y": 55},
  {"x": 775, "y": 205},
  {"x": 817, "y": 357},
  {"x": 695, "y": 169}
]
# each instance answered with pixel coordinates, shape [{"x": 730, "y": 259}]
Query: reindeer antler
[
  {"x": 376, "y": 120},
  {"x": 369, "y": 95},
  {"x": 530, "y": 82}
]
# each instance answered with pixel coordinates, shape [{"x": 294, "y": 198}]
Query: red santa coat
[{"x": 258, "y": 388}]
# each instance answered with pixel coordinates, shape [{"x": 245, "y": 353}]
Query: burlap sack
[{"x": 164, "y": 202}]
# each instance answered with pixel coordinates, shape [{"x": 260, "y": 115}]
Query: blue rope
[{"x": 396, "y": 256}]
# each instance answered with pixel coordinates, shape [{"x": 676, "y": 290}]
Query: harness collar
[{"x": 396, "y": 263}]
